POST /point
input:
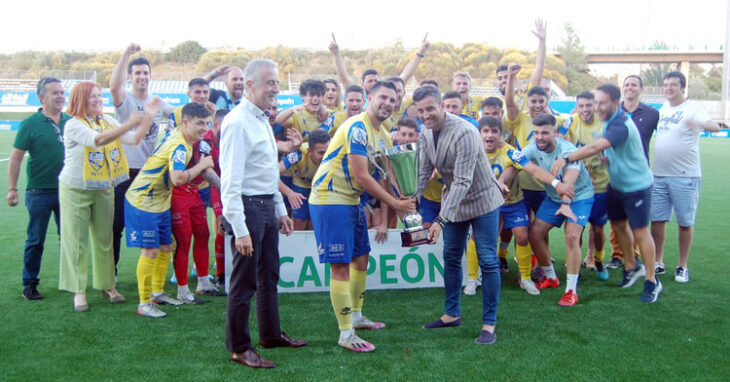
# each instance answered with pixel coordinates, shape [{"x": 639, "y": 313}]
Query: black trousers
[
  {"x": 257, "y": 274},
  {"x": 118, "y": 227}
]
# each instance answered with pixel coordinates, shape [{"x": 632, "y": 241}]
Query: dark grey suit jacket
[{"x": 470, "y": 188}]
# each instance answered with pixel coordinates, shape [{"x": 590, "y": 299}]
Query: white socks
[
  {"x": 572, "y": 283},
  {"x": 549, "y": 271}
]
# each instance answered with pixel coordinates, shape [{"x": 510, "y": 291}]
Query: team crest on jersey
[
  {"x": 382, "y": 145},
  {"x": 96, "y": 159},
  {"x": 116, "y": 156},
  {"x": 294, "y": 157},
  {"x": 179, "y": 156},
  {"x": 515, "y": 155}
]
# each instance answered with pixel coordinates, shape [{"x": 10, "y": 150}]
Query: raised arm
[
  {"x": 540, "y": 32},
  {"x": 339, "y": 63},
  {"x": 410, "y": 69},
  {"x": 217, "y": 72},
  {"x": 119, "y": 75},
  {"x": 513, "y": 110}
]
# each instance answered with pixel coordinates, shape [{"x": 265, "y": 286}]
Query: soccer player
[
  {"x": 311, "y": 115},
  {"x": 301, "y": 165},
  {"x": 401, "y": 104},
  {"x": 339, "y": 220},
  {"x": 558, "y": 206},
  {"x": 583, "y": 128},
  {"x": 677, "y": 170},
  {"x": 629, "y": 189},
  {"x": 332, "y": 95},
  {"x": 452, "y": 103},
  {"x": 493, "y": 107},
  {"x": 354, "y": 102},
  {"x": 370, "y": 76},
  {"x": 213, "y": 137},
  {"x": 139, "y": 72},
  {"x": 519, "y": 126},
  {"x": 234, "y": 87},
  {"x": 461, "y": 83},
  {"x": 198, "y": 92},
  {"x": 515, "y": 217},
  {"x": 41, "y": 136},
  {"x": 147, "y": 206}
]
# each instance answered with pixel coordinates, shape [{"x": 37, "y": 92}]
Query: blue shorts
[
  {"x": 533, "y": 199},
  {"x": 633, "y": 206},
  {"x": 515, "y": 215},
  {"x": 146, "y": 229},
  {"x": 581, "y": 209},
  {"x": 599, "y": 216},
  {"x": 205, "y": 196},
  {"x": 428, "y": 209},
  {"x": 678, "y": 193},
  {"x": 301, "y": 213},
  {"x": 341, "y": 232}
]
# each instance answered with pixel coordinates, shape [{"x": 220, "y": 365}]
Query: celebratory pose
[
  {"x": 558, "y": 205},
  {"x": 338, "y": 218},
  {"x": 629, "y": 190}
]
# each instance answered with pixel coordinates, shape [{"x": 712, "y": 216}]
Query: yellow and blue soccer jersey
[
  {"x": 580, "y": 133},
  {"x": 334, "y": 182},
  {"x": 340, "y": 107},
  {"x": 175, "y": 119},
  {"x": 151, "y": 190},
  {"x": 336, "y": 120},
  {"x": 300, "y": 167},
  {"x": 306, "y": 122},
  {"x": 520, "y": 135},
  {"x": 473, "y": 106},
  {"x": 434, "y": 188},
  {"x": 391, "y": 124},
  {"x": 500, "y": 160}
]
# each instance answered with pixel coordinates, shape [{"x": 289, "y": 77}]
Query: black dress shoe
[
  {"x": 252, "y": 359},
  {"x": 283, "y": 342}
]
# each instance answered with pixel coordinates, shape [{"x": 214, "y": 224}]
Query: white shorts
[{"x": 681, "y": 194}]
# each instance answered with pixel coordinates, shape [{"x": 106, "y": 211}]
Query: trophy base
[{"x": 414, "y": 238}]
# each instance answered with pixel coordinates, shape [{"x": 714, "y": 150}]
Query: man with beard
[
  {"x": 234, "y": 85},
  {"x": 138, "y": 71},
  {"x": 354, "y": 102},
  {"x": 338, "y": 218},
  {"x": 629, "y": 191}
]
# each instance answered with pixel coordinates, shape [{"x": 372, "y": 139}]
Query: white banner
[{"x": 391, "y": 266}]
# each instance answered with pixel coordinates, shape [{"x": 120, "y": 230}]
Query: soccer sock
[
  {"x": 203, "y": 283},
  {"x": 572, "y": 283},
  {"x": 549, "y": 271},
  {"x": 599, "y": 256},
  {"x": 524, "y": 261},
  {"x": 145, "y": 269},
  {"x": 503, "y": 250},
  {"x": 182, "y": 290},
  {"x": 357, "y": 291},
  {"x": 158, "y": 277},
  {"x": 472, "y": 263},
  {"x": 341, "y": 303}
]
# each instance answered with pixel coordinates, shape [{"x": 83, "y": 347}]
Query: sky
[{"x": 615, "y": 25}]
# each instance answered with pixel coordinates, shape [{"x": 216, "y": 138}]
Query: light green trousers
[{"x": 86, "y": 214}]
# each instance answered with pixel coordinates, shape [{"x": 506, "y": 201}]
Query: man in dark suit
[{"x": 471, "y": 198}]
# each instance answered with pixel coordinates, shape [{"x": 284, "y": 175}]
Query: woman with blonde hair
[{"x": 94, "y": 164}]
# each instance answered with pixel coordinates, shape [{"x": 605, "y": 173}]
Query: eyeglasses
[{"x": 45, "y": 81}]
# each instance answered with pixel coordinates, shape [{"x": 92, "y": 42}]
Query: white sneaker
[
  {"x": 164, "y": 299},
  {"x": 529, "y": 287},
  {"x": 189, "y": 298},
  {"x": 681, "y": 275},
  {"x": 356, "y": 344},
  {"x": 365, "y": 323},
  {"x": 471, "y": 287},
  {"x": 151, "y": 310}
]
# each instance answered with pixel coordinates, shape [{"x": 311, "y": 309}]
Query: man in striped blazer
[{"x": 471, "y": 198}]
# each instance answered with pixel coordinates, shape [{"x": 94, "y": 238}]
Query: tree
[
  {"x": 188, "y": 51},
  {"x": 576, "y": 66}
]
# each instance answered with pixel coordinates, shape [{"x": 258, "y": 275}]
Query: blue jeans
[
  {"x": 486, "y": 230},
  {"x": 40, "y": 205}
]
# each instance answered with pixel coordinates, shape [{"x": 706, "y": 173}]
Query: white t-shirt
[
  {"x": 677, "y": 144},
  {"x": 137, "y": 155}
]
